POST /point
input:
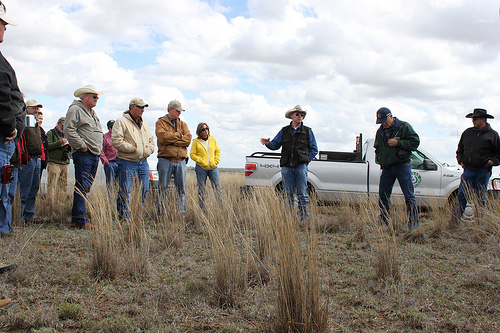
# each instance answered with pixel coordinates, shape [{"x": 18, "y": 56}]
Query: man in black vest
[{"x": 298, "y": 149}]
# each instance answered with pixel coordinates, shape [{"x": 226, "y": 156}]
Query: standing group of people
[
  {"x": 25, "y": 149},
  {"x": 478, "y": 151},
  {"x": 124, "y": 151}
]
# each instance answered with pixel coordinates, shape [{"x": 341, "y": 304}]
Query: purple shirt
[{"x": 108, "y": 153}]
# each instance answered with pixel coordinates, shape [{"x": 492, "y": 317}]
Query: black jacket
[
  {"x": 476, "y": 147},
  {"x": 12, "y": 108}
]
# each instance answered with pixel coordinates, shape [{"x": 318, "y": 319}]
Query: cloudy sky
[{"x": 239, "y": 65}]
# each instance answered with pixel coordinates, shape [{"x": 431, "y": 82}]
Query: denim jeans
[
  {"x": 296, "y": 178},
  {"x": 128, "y": 171},
  {"x": 166, "y": 169},
  {"x": 111, "y": 173},
  {"x": 29, "y": 184},
  {"x": 387, "y": 179},
  {"x": 201, "y": 179},
  {"x": 473, "y": 183},
  {"x": 86, "y": 165},
  {"x": 6, "y": 152}
]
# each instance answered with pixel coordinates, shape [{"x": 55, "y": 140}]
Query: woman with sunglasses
[{"x": 206, "y": 153}]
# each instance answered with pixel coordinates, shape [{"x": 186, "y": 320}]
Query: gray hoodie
[{"x": 83, "y": 128}]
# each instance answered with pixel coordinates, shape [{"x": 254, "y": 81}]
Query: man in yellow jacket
[
  {"x": 135, "y": 143},
  {"x": 173, "y": 139},
  {"x": 206, "y": 153}
]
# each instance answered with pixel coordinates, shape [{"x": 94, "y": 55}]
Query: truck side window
[{"x": 417, "y": 160}]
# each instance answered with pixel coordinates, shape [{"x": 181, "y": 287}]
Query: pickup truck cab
[{"x": 354, "y": 176}]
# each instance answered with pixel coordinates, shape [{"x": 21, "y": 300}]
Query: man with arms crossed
[{"x": 173, "y": 139}]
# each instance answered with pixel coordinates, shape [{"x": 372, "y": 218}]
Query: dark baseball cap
[{"x": 382, "y": 114}]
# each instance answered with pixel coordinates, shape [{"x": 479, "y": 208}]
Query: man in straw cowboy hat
[
  {"x": 298, "y": 148},
  {"x": 83, "y": 131},
  {"x": 12, "y": 115},
  {"x": 478, "y": 150}
]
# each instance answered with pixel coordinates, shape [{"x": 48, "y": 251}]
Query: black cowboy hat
[{"x": 479, "y": 113}]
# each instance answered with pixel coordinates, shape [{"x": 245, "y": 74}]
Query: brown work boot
[
  {"x": 87, "y": 226},
  {"x": 5, "y": 301}
]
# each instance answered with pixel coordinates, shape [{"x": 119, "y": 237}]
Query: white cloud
[{"x": 431, "y": 62}]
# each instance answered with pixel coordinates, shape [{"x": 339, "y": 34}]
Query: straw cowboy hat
[
  {"x": 89, "y": 89},
  {"x": 297, "y": 108},
  {"x": 4, "y": 17}
]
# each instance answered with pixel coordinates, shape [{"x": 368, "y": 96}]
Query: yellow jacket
[{"x": 199, "y": 154}]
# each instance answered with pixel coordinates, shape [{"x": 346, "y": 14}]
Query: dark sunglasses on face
[
  {"x": 95, "y": 97},
  {"x": 299, "y": 114},
  {"x": 140, "y": 107},
  {"x": 204, "y": 129}
]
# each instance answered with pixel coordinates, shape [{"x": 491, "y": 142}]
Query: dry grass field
[{"x": 247, "y": 264}]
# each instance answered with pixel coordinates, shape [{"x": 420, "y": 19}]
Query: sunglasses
[
  {"x": 95, "y": 97},
  {"x": 205, "y": 129},
  {"x": 299, "y": 114},
  {"x": 140, "y": 107}
]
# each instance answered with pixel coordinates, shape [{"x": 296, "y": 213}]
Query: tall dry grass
[
  {"x": 257, "y": 240},
  {"x": 120, "y": 248}
]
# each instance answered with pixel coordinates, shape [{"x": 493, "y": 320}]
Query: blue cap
[{"x": 382, "y": 114}]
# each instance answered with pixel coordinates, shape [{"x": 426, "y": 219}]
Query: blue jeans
[
  {"x": 29, "y": 184},
  {"x": 387, "y": 179},
  {"x": 472, "y": 183},
  {"x": 128, "y": 171},
  {"x": 6, "y": 152},
  {"x": 111, "y": 172},
  {"x": 201, "y": 179},
  {"x": 86, "y": 165},
  {"x": 166, "y": 169},
  {"x": 296, "y": 178}
]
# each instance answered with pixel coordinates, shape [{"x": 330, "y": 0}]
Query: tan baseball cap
[
  {"x": 138, "y": 101},
  {"x": 175, "y": 104},
  {"x": 32, "y": 102}
]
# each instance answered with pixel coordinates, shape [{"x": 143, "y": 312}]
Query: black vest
[{"x": 294, "y": 149}]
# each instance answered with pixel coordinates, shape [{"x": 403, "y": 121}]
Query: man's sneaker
[{"x": 7, "y": 268}]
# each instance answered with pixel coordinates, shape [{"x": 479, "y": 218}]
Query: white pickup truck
[{"x": 339, "y": 176}]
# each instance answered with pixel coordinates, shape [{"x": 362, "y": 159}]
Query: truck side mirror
[{"x": 429, "y": 165}]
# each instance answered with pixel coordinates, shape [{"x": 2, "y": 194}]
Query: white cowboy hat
[
  {"x": 297, "y": 108},
  {"x": 4, "y": 17},
  {"x": 89, "y": 89}
]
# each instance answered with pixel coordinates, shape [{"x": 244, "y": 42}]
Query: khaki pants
[{"x": 58, "y": 180}]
